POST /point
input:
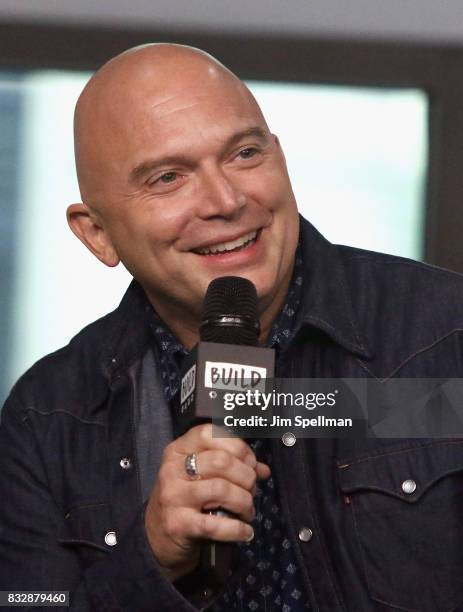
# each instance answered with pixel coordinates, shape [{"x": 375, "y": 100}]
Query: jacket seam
[
  {"x": 393, "y": 260},
  {"x": 410, "y": 357},
  {"x": 342, "y": 464},
  {"x": 134, "y": 443},
  {"x": 59, "y": 410},
  {"x": 24, "y": 420},
  {"x": 337, "y": 336}
]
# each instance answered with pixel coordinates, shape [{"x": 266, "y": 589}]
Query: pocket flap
[
  {"x": 405, "y": 473},
  {"x": 87, "y": 525}
]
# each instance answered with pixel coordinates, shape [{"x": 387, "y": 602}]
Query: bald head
[
  {"x": 133, "y": 83},
  {"x": 176, "y": 164}
]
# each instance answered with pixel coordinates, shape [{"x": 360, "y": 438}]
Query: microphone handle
[{"x": 218, "y": 558}]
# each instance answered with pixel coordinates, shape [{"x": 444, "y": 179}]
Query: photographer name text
[{"x": 278, "y": 421}]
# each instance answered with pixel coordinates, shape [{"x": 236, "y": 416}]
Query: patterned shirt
[{"x": 274, "y": 581}]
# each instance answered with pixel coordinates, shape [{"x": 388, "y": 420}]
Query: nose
[{"x": 221, "y": 196}]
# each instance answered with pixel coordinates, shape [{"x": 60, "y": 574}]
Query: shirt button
[
  {"x": 408, "y": 487},
  {"x": 305, "y": 534},
  {"x": 125, "y": 463},
  {"x": 110, "y": 538},
  {"x": 288, "y": 439}
]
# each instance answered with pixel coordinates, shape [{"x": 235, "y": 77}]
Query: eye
[
  {"x": 247, "y": 153},
  {"x": 166, "y": 182},
  {"x": 168, "y": 177}
]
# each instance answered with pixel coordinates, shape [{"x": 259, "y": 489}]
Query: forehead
[
  {"x": 190, "y": 107},
  {"x": 149, "y": 111},
  {"x": 184, "y": 118}
]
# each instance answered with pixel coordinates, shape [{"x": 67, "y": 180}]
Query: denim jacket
[{"x": 71, "y": 511}]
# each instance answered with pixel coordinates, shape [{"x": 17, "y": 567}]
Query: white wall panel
[{"x": 425, "y": 20}]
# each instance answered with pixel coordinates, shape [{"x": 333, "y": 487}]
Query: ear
[
  {"x": 87, "y": 226},
  {"x": 276, "y": 140}
]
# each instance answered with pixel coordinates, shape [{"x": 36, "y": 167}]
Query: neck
[
  {"x": 184, "y": 326},
  {"x": 270, "y": 314}
]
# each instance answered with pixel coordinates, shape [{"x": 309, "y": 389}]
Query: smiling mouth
[{"x": 229, "y": 247}]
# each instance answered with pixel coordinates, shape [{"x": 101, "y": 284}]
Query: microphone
[
  {"x": 230, "y": 312},
  {"x": 226, "y": 359}
]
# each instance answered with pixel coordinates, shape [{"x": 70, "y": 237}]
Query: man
[{"x": 182, "y": 181}]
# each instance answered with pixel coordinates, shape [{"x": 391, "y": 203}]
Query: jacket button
[
  {"x": 288, "y": 439},
  {"x": 110, "y": 538},
  {"x": 125, "y": 463},
  {"x": 305, "y": 534},
  {"x": 408, "y": 487}
]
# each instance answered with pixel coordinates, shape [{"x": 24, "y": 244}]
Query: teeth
[{"x": 228, "y": 246}]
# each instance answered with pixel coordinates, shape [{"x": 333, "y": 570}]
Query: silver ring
[{"x": 191, "y": 465}]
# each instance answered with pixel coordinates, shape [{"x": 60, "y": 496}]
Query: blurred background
[{"x": 366, "y": 97}]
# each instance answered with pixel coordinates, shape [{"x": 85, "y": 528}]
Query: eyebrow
[{"x": 149, "y": 165}]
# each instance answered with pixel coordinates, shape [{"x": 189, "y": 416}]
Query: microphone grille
[{"x": 230, "y": 312}]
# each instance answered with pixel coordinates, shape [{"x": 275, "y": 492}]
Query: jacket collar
[
  {"x": 326, "y": 302},
  {"x": 129, "y": 333}
]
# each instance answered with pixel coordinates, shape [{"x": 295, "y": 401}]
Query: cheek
[
  {"x": 275, "y": 192},
  {"x": 154, "y": 225},
  {"x": 168, "y": 218}
]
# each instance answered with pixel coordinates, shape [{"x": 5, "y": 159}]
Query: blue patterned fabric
[{"x": 273, "y": 581}]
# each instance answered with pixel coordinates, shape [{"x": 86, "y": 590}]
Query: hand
[{"x": 174, "y": 519}]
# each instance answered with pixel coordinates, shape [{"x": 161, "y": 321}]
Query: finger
[
  {"x": 220, "y": 528},
  {"x": 200, "y": 438},
  {"x": 263, "y": 471},
  {"x": 187, "y": 523},
  {"x": 219, "y": 493},
  {"x": 220, "y": 463},
  {"x": 208, "y": 494}
]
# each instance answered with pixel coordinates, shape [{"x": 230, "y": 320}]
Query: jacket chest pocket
[
  {"x": 87, "y": 530},
  {"x": 407, "y": 508}
]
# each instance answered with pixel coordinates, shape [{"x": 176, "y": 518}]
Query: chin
[{"x": 266, "y": 291}]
